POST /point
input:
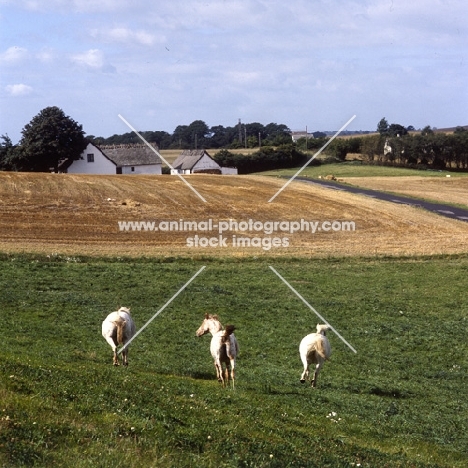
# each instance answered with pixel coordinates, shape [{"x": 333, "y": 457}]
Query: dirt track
[{"x": 78, "y": 215}]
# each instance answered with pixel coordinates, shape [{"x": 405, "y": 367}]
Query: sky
[{"x": 304, "y": 63}]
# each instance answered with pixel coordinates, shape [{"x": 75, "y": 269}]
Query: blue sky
[{"x": 313, "y": 63}]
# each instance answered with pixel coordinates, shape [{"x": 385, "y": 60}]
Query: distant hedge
[{"x": 267, "y": 158}]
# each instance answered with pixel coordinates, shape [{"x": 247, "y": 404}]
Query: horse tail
[
  {"x": 228, "y": 332},
  {"x": 120, "y": 322},
  {"x": 320, "y": 348}
]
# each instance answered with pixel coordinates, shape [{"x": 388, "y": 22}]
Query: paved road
[{"x": 444, "y": 210}]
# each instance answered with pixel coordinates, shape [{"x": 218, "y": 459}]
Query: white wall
[
  {"x": 143, "y": 169},
  {"x": 229, "y": 171},
  {"x": 180, "y": 171},
  {"x": 101, "y": 164}
]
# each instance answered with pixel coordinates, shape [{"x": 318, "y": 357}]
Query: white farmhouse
[
  {"x": 114, "y": 159},
  {"x": 197, "y": 162},
  {"x": 296, "y": 135}
]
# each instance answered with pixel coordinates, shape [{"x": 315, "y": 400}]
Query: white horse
[
  {"x": 117, "y": 329},
  {"x": 314, "y": 348},
  {"x": 224, "y": 347}
]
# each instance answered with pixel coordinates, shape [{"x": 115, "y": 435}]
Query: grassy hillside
[
  {"x": 399, "y": 402},
  {"x": 357, "y": 169}
]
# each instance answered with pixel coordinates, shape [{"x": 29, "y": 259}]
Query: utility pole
[{"x": 240, "y": 132}]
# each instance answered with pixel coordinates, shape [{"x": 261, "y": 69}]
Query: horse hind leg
[
  {"x": 116, "y": 358},
  {"x": 226, "y": 376},
  {"x": 233, "y": 373},
  {"x": 125, "y": 357},
  {"x": 233, "y": 377},
  {"x": 314, "y": 380},
  {"x": 219, "y": 372}
]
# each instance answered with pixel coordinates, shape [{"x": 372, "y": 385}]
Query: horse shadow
[{"x": 199, "y": 375}]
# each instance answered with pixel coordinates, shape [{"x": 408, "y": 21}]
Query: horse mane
[
  {"x": 227, "y": 332},
  {"x": 211, "y": 316}
]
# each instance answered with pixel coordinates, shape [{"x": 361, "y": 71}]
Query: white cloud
[
  {"x": 93, "y": 60},
  {"x": 46, "y": 55},
  {"x": 294, "y": 62},
  {"x": 126, "y": 35},
  {"x": 13, "y": 55},
  {"x": 18, "y": 90},
  {"x": 81, "y": 6}
]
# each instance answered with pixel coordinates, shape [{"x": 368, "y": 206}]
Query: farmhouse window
[
  {"x": 90, "y": 158},
  {"x": 133, "y": 169}
]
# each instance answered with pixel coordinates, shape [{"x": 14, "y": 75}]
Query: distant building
[
  {"x": 198, "y": 162},
  {"x": 114, "y": 159},
  {"x": 301, "y": 134}
]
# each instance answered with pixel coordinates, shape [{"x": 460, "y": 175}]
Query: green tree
[
  {"x": 382, "y": 126},
  {"x": 181, "y": 137},
  {"x": 397, "y": 130},
  {"x": 372, "y": 147},
  {"x": 222, "y": 136},
  {"x": 277, "y": 134},
  {"x": 161, "y": 138},
  {"x": 50, "y": 137},
  {"x": 255, "y": 134},
  {"x": 6, "y": 147},
  {"x": 427, "y": 130},
  {"x": 195, "y": 135},
  {"x": 460, "y": 148}
]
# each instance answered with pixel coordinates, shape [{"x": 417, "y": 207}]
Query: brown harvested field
[
  {"x": 452, "y": 190},
  {"x": 78, "y": 215}
]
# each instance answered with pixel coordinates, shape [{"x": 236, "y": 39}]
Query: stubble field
[
  {"x": 60, "y": 213},
  {"x": 450, "y": 190}
]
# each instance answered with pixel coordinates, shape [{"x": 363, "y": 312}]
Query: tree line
[
  {"x": 51, "y": 137},
  {"x": 198, "y": 135},
  {"x": 265, "y": 159},
  {"x": 393, "y": 145},
  {"x": 399, "y": 146}
]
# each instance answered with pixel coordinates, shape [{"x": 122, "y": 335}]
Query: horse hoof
[{"x": 302, "y": 380}]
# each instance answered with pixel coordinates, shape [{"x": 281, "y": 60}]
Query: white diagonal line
[
  {"x": 162, "y": 308},
  {"x": 157, "y": 152},
  {"x": 311, "y": 159},
  {"x": 311, "y": 308}
]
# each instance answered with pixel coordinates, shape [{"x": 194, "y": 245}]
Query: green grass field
[
  {"x": 399, "y": 402},
  {"x": 356, "y": 169}
]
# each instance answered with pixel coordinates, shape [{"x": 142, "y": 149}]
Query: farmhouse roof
[
  {"x": 188, "y": 158},
  {"x": 131, "y": 155}
]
